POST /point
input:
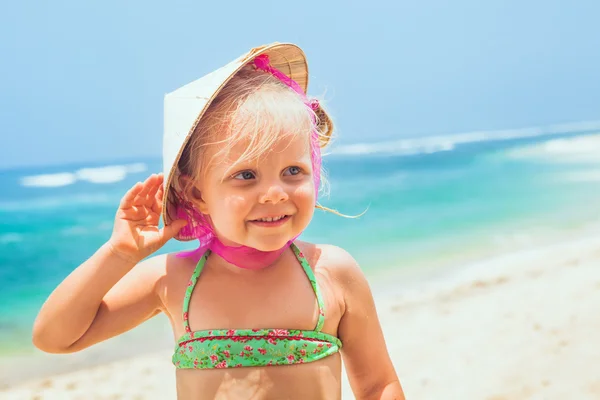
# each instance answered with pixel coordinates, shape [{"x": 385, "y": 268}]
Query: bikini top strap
[
  {"x": 313, "y": 281},
  {"x": 190, "y": 288}
]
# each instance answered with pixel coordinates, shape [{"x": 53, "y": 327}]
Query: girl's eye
[
  {"x": 245, "y": 175},
  {"x": 292, "y": 171}
]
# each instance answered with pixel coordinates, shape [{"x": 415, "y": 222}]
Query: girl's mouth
[{"x": 271, "y": 221}]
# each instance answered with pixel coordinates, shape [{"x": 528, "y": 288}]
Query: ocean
[{"x": 428, "y": 201}]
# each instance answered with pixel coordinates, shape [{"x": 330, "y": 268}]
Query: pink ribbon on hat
[
  {"x": 263, "y": 63},
  {"x": 244, "y": 256}
]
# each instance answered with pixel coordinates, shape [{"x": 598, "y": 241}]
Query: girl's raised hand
[{"x": 136, "y": 234}]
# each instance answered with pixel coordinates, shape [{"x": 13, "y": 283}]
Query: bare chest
[{"x": 283, "y": 299}]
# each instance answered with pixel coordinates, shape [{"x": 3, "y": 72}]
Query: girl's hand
[{"x": 136, "y": 234}]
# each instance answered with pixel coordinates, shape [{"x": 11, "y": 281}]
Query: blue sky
[{"x": 84, "y": 81}]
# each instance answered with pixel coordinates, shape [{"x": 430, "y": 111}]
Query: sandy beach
[{"x": 517, "y": 326}]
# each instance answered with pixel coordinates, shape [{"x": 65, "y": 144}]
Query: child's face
[{"x": 240, "y": 196}]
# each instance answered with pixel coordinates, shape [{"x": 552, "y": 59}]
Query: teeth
[{"x": 271, "y": 219}]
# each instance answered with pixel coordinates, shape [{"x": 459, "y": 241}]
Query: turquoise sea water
[{"x": 428, "y": 200}]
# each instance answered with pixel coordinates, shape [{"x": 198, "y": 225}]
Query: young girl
[{"x": 255, "y": 313}]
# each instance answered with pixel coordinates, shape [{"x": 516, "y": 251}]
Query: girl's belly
[{"x": 317, "y": 380}]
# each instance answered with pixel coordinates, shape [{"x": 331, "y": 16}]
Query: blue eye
[
  {"x": 245, "y": 175},
  {"x": 292, "y": 171}
]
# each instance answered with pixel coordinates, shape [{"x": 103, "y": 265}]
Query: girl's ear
[{"x": 192, "y": 193}]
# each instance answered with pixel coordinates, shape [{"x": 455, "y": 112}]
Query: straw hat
[{"x": 184, "y": 108}]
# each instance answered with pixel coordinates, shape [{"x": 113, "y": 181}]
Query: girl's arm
[
  {"x": 368, "y": 364},
  {"x": 111, "y": 292},
  {"x": 100, "y": 299}
]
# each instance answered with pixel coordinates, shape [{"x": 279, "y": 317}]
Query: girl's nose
[{"x": 274, "y": 195}]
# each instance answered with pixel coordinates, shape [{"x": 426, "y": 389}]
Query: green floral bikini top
[{"x": 229, "y": 348}]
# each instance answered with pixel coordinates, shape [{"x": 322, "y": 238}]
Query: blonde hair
[{"x": 257, "y": 108}]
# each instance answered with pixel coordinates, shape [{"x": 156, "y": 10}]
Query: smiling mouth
[{"x": 271, "y": 221}]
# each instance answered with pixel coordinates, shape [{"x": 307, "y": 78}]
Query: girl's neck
[
  {"x": 219, "y": 263},
  {"x": 243, "y": 257}
]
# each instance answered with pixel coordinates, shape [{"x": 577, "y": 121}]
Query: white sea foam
[
  {"x": 100, "y": 175},
  {"x": 434, "y": 144},
  {"x": 399, "y": 147},
  {"x": 575, "y": 150},
  {"x": 110, "y": 174},
  {"x": 592, "y": 175},
  {"x": 49, "y": 180}
]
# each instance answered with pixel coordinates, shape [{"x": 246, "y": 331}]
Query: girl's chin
[
  {"x": 270, "y": 242},
  {"x": 269, "y": 245}
]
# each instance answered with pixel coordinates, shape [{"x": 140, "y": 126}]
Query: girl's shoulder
[
  {"x": 165, "y": 261},
  {"x": 331, "y": 260},
  {"x": 163, "y": 270},
  {"x": 169, "y": 275},
  {"x": 169, "y": 265},
  {"x": 337, "y": 269},
  {"x": 161, "y": 264}
]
